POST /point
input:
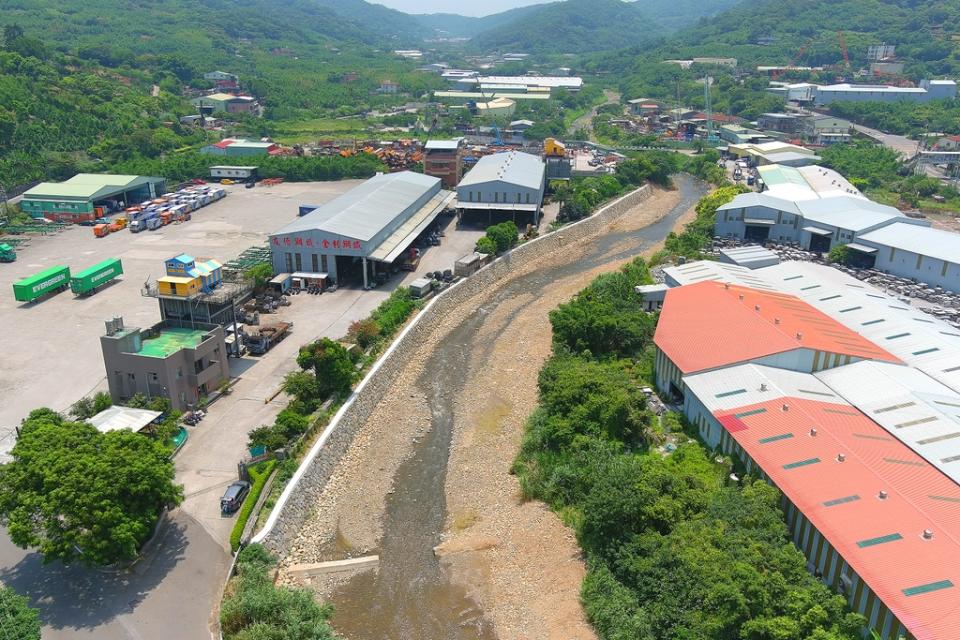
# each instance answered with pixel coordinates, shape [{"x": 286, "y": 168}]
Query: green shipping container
[
  {"x": 47, "y": 281},
  {"x": 99, "y": 274}
]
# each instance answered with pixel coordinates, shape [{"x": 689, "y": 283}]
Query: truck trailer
[
  {"x": 52, "y": 280},
  {"x": 260, "y": 340},
  {"x": 87, "y": 281}
]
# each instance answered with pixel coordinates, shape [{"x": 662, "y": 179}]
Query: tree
[
  {"x": 17, "y": 619},
  {"x": 259, "y": 274},
  {"x": 303, "y": 386},
  {"x": 331, "y": 364},
  {"x": 11, "y": 33},
  {"x": 840, "y": 254},
  {"x": 77, "y": 494},
  {"x": 486, "y": 245},
  {"x": 503, "y": 235},
  {"x": 364, "y": 332}
]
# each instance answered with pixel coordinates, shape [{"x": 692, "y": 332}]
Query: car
[
  {"x": 88, "y": 223},
  {"x": 234, "y": 496}
]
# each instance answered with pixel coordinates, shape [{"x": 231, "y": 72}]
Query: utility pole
[{"x": 708, "y": 107}]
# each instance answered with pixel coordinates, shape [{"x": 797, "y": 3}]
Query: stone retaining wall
[{"x": 296, "y": 502}]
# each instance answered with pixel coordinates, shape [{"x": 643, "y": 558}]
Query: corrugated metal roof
[
  {"x": 118, "y": 418},
  {"x": 909, "y": 404},
  {"x": 745, "y": 384},
  {"x": 923, "y": 240},
  {"x": 749, "y": 255},
  {"x": 442, "y": 145},
  {"x": 747, "y": 200},
  {"x": 512, "y": 167},
  {"x": 709, "y": 324},
  {"x": 572, "y": 82},
  {"x": 91, "y": 186},
  {"x": 702, "y": 270},
  {"x": 881, "y": 539},
  {"x": 367, "y": 209},
  {"x": 847, "y": 212}
]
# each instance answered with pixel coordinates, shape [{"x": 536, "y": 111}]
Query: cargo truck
[
  {"x": 7, "y": 254},
  {"x": 87, "y": 281},
  {"x": 52, "y": 280},
  {"x": 154, "y": 223},
  {"x": 101, "y": 230},
  {"x": 264, "y": 337}
]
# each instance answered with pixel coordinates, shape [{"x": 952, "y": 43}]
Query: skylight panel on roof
[{"x": 872, "y": 542}]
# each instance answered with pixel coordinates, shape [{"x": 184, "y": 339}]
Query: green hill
[
  {"x": 452, "y": 24},
  {"x": 572, "y": 26},
  {"x": 776, "y": 32},
  {"x": 388, "y": 25}
]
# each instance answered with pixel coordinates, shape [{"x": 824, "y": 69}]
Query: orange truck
[{"x": 101, "y": 230}]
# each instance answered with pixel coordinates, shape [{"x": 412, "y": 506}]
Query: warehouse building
[
  {"x": 869, "y": 501},
  {"x": 87, "y": 196},
  {"x": 928, "y": 90},
  {"x": 181, "y": 363},
  {"x": 444, "y": 159},
  {"x": 235, "y": 147},
  {"x": 771, "y": 328},
  {"x": 504, "y": 183},
  {"x": 227, "y": 103},
  {"x": 814, "y": 207},
  {"x": 773, "y": 152},
  {"x": 362, "y": 232},
  {"x": 913, "y": 251},
  {"x": 233, "y": 172},
  {"x": 570, "y": 83}
]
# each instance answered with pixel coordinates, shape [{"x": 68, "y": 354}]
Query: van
[{"x": 234, "y": 496}]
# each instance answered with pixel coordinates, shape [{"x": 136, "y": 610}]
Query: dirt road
[
  {"x": 426, "y": 485},
  {"x": 585, "y": 121}
]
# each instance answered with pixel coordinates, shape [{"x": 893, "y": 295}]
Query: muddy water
[{"x": 410, "y": 597}]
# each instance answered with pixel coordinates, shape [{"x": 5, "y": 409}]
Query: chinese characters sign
[{"x": 297, "y": 241}]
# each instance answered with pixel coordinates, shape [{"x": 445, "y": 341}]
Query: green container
[
  {"x": 98, "y": 275},
  {"x": 47, "y": 281}
]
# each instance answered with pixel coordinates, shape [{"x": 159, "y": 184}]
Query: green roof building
[{"x": 86, "y": 196}]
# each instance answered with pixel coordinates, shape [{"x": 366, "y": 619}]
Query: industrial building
[
  {"x": 862, "y": 441},
  {"x": 812, "y": 206},
  {"x": 87, "y": 196},
  {"x": 815, "y": 127},
  {"x": 782, "y": 153},
  {"x": 504, "y": 183},
  {"x": 375, "y": 223},
  {"x": 913, "y": 251},
  {"x": 235, "y": 147},
  {"x": 223, "y": 80},
  {"x": 227, "y": 103},
  {"x": 496, "y": 108},
  {"x": 181, "y": 363},
  {"x": 928, "y": 90},
  {"x": 233, "y": 172},
  {"x": 444, "y": 159},
  {"x": 570, "y": 83}
]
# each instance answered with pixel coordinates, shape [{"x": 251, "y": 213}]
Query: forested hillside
[
  {"x": 806, "y": 33},
  {"x": 452, "y": 24}
]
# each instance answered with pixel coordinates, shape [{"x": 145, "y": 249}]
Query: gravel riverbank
[{"x": 514, "y": 569}]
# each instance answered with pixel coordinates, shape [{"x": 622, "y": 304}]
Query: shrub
[
  {"x": 364, "y": 332},
  {"x": 486, "y": 245},
  {"x": 259, "y": 474}
]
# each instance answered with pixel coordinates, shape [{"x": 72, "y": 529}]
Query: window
[
  {"x": 314, "y": 259},
  {"x": 299, "y": 261},
  {"x": 496, "y": 196},
  {"x": 288, "y": 261},
  {"x": 153, "y": 377},
  {"x": 470, "y": 195},
  {"x": 323, "y": 264},
  {"x": 528, "y": 197}
]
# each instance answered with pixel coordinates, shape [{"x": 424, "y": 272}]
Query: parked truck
[
  {"x": 261, "y": 339},
  {"x": 87, "y": 281},
  {"x": 52, "y": 280},
  {"x": 7, "y": 254}
]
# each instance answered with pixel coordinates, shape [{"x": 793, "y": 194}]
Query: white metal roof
[
  {"x": 910, "y": 405},
  {"x": 513, "y": 167},
  {"x": 847, "y": 212},
  {"x": 923, "y": 240},
  {"x": 750, "y": 255},
  {"x": 367, "y": 209},
  {"x": 397, "y": 242},
  {"x": 722, "y": 272},
  {"x": 442, "y": 145},
  {"x": 117, "y": 418},
  {"x": 869, "y": 88},
  {"x": 571, "y": 82},
  {"x": 747, "y": 384}
]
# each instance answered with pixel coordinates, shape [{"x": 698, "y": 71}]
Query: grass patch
[
  {"x": 294, "y": 131},
  {"x": 259, "y": 473}
]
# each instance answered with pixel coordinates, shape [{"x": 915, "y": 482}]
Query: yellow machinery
[{"x": 553, "y": 148}]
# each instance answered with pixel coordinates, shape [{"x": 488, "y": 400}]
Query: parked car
[{"x": 234, "y": 496}]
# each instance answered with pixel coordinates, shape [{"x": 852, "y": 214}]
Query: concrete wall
[{"x": 297, "y": 501}]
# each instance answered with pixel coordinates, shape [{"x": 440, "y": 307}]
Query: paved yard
[{"x": 55, "y": 352}]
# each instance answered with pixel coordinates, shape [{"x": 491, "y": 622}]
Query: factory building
[
  {"x": 912, "y": 251},
  {"x": 865, "y": 451},
  {"x": 812, "y": 206},
  {"x": 227, "y": 103},
  {"x": 503, "y": 183},
  {"x": 361, "y": 233},
  {"x": 167, "y": 360},
  {"x": 570, "y": 83},
  {"x": 444, "y": 159},
  {"x": 772, "y": 152},
  {"x": 771, "y": 328},
  {"x": 928, "y": 90},
  {"x": 235, "y": 147},
  {"x": 87, "y": 196}
]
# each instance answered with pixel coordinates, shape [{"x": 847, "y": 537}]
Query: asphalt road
[{"x": 901, "y": 144}]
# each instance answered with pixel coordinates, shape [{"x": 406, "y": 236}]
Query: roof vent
[
  {"x": 756, "y": 307},
  {"x": 882, "y": 495},
  {"x": 776, "y": 321},
  {"x": 785, "y": 407},
  {"x": 841, "y": 457},
  {"x": 928, "y": 534},
  {"x": 813, "y": 432},
  {"x": 726, "y": 285},
  {"x": 799, "y": 335},
  {"x": 763, "y": 386},
  {"x": 740, "y": 296}
]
